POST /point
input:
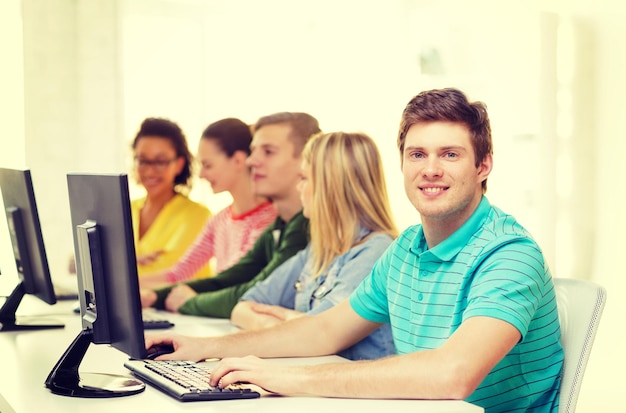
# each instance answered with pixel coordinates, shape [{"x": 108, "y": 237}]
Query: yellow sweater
[{"x": 174, "y": 230}]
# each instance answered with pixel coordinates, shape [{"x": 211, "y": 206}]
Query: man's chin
[{"x": 265, "y": 194}]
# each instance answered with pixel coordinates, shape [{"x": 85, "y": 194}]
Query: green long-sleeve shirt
[{"x": 218, "y": 295}]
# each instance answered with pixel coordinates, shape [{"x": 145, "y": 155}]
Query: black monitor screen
[
  {"x": 108, "y": 286},
  {"x": 28, "y": 249}
]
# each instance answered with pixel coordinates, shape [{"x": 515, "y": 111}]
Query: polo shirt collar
[{"x": 449, "y": 248}]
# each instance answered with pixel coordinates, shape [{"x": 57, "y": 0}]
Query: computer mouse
[{"x": 158, "y": 350}]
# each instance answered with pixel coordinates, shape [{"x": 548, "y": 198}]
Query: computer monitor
[
  {"x": 28, "y": 250},
  {"x": 108, "y": 286}
]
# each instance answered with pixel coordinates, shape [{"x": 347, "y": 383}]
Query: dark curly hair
[{"x": 166, "y": 129}]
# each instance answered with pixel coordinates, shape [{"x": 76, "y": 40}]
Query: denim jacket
[{"x": 292, "y": 286}]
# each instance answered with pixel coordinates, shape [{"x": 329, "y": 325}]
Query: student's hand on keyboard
[
  {"x": 271, "y": 377},
  {"x": 185, "y": 348}
]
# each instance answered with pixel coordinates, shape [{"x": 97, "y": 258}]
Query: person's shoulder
[
  {"x": 500, "y": 223},
  {"x": 409, "y": 234},
  {"x": 138, "y": 202},
  {"x": 373, "y": 244},
  {"x": 297, "y": 223},
  {"x": 502, "y": 230},
  {"x": 378, "y": 239},
  {"x": 191, "y": 207}
]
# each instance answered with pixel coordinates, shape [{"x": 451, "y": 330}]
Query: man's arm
[
  {"x": 319, "y": 335},
  {"x": 154, "y": 280},
  {"x": 250, "y": 315},
  {"x": 245, "y": 269},
  {"x": 220, "y": 303},
  {"x": 452, "y": 371}
]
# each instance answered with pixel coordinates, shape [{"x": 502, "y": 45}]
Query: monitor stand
[
  {"x": 65, "y": 380},
  {"x": 8, "y": 321}
]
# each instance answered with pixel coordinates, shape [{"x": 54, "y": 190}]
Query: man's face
[
  {"x": 440, "y": 176},
  {"x": 275, "y": 168}
]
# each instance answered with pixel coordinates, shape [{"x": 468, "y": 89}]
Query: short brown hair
[
  {"x": 450, "y": 105},
  {"x": 303, "y": 126}
]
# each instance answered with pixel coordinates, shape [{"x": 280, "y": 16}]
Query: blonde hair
[{"x": 348, "y": 192}]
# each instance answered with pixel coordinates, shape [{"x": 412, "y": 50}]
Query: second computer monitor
[
  {"x": 105, "y": 260},
  {"x": 108, "y": 286},
  {"x": 28, "y": 249}
]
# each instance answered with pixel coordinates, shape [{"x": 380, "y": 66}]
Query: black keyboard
[
  {"x": 151, "y": 322},
  {"x": 185, "y": 380}
]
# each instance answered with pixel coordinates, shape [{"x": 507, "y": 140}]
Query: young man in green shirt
[{"x": 275, "y": 161}]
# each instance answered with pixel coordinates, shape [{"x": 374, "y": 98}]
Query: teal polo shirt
[{"x": 489, "y": 267}]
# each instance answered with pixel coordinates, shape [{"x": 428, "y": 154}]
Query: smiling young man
[
  {"x": 275, "y": 160},
  {"x": 467, "y": 292}
]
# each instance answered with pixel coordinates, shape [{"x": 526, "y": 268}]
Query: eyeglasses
[{"x": 159, "y": 165}]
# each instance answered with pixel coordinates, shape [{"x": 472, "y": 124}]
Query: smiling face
[
  {"x": 275, "y": 167},
  {"x": 441, "y": 178},
  {"x": 220, "y": 171},
  {"x": 157, "y": 165}
]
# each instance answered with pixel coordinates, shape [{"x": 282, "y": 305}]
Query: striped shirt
[
  {"x": 227, "y": 237},
  {"x": 488, "y": 267}
]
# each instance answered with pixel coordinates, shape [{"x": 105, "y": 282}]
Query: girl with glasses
[
  {"x": 227, "y": 236},
  {"x": 165, "y": 220}
]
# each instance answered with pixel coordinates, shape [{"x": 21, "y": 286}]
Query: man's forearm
[
  {"x": 243, "y": 316},
  {"x": 276, "y": 341}
]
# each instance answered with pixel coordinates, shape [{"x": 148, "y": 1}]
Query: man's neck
[
  {"x": 287, "y": 208},
  {"x": 243, "y": 196},
  {"x": 438, "y": 229}
]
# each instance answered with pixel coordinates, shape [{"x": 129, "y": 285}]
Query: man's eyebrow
[
  {"x": 454, "y": 147},
  {"x": 441, "y": 148},
  {"x": 263, "y": 145}
]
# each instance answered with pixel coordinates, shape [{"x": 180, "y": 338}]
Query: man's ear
[{"x": 485, "y": 167}]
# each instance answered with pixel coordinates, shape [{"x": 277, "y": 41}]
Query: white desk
[{"x": 28, "y": 357}]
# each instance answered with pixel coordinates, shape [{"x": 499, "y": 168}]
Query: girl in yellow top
[{"x": 165, "y": 221}]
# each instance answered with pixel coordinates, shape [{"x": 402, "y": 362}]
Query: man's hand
[
  {"x": 148, "y": 298},
  {"x": 185, "y": 348},
  {"x": 179, "y": 296},
  {"x": 272, "y": 377},
  {"x": 276, "y": 311}
]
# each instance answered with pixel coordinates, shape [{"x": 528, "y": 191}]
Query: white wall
[
  {"x": 12, "y": 143},
  {"x": 602, "y": 388}
]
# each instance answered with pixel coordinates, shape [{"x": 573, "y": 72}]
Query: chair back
[{"x": 580, "y": 304}]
